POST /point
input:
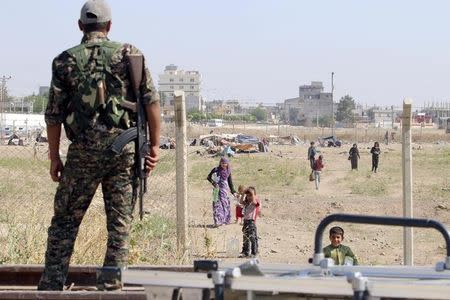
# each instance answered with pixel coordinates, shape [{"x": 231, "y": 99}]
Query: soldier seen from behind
[{"x": 91, "y": 95}]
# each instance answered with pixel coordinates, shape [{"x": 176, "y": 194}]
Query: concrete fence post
[
  {"x": 408, "y": 250},
  {"x": 181, "y": 171}
]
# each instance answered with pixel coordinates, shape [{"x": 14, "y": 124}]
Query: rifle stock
[{"x": 138, "y": 134}]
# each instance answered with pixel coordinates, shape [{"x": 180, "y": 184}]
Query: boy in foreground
[{"x": 341, "y": 254}]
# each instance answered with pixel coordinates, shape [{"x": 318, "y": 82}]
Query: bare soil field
[{"x": 292, "y": 207}]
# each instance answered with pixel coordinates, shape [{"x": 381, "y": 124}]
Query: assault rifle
[{"x": 138, "y": 134}]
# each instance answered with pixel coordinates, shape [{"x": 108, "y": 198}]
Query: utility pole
[
  {"x": 332, "y": 103},
  {"x": 3, "y": 80}
]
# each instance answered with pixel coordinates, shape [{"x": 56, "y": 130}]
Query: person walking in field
[
  {"x": 90, "y": 83},
  {"x": 220, "y": 177},
  {"x": 312, "y": 155},
  {"x": 353, "y": 156},
  {"x": 317, "y": 169},
  {"x": 375, "y": 156}
]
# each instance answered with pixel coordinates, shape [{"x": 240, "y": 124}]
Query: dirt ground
[{"x": 290, "y": 216}]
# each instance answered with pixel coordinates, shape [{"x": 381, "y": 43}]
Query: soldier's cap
[{"x": 95, "y": 11}]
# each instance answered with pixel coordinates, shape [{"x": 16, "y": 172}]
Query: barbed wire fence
[
  {"x": 27, "y": 195},
  {"x": 27, "y": 192}
]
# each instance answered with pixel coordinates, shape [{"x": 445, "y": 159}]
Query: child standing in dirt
[
  {"x": 342, "y": 255},
  {"x": 250, "y": 211}
]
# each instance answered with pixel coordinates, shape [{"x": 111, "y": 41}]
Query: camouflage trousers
[{"x": 84, "y": 170}]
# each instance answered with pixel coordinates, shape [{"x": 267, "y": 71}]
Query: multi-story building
[
  {"x": 292, "y": 108},
  {"x": 311, "y": 104},
  {"x": 175, "y": 79}
]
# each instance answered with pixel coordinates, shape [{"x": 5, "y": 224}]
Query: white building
[
  {"x": 175, "y": 79},
  {"x": 20, "y": 123}
]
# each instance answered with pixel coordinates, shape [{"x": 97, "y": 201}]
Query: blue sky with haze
[{"x": 258, "y": 50}]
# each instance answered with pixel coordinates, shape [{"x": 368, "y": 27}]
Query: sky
[{"x": 380, "y": 51}]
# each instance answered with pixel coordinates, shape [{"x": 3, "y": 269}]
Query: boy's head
[
  {"x": 312, "y": 143},
  {"x": 336, "y": 236},
  {"x": 250, "y": 193},
  {"x": 241, "y": 189}
]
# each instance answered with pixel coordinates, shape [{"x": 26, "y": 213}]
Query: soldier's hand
[
  {"x": 56, "y": 168},
  {"x": 151, "y": 160}
]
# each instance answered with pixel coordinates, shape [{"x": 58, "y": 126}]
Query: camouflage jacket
[
  {"x": 66, "y": 79},
  {"x": 339, "y": 253}
]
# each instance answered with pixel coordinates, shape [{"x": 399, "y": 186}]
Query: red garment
[
  {"x": 318, "y": 165},
  {"x": 239, "y": 213},
  {"x": 258, "y": 209}
]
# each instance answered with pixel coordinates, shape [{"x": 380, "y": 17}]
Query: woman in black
[
  {"x": 375, "y": 155},
  {"x": 353, "y": 156}
]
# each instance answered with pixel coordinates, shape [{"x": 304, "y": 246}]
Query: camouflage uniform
[{"x": 90, "y": 163}]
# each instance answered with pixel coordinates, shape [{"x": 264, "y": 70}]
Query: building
[
  {"x": 175, "y": 79},
  {"x": 273, "y": 113},
  {"x": 224, "y": 107},
  {"x": 438, "y": 111},
  {"x": 292, "y": 109},
  {"x": 385, "y": 117},
  {"x": 16, "y": 104},
  {"x": 43, "y": 90},
  {"x": 311, "y": 105}
]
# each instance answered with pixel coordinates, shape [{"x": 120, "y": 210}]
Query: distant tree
[
  {"x": 325, "y": 121},
  {"x": 259, "y": 113},
  {"x": 39, "y": 102},
  {"x": 195, "y": 115},
  {"x": 344, "y": 112},
  {"x": 370, "y": 113}
]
